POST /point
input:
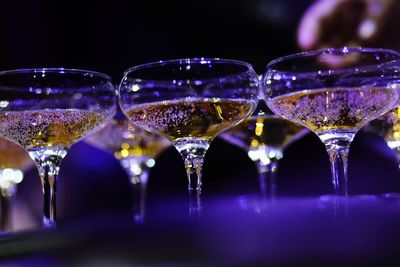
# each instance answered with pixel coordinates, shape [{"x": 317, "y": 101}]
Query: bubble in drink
[
  {"x": 48, "y": 127},
  {"x": 191, "y": 117},
  {"x": 329, "y": 109}
]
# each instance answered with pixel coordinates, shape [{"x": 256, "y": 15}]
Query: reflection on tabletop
[{"x": 233, "y": 231}]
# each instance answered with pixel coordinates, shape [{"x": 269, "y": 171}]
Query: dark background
[{"x": 111, "y": 36}]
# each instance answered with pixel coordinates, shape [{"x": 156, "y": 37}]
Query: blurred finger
[
  {"x": 310, "y": 27},
  {"x": 375, "y": 16}
]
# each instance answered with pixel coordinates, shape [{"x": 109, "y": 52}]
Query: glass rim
[
  {"x": 335, "y": 51},
  {"x": 189, "y": 60},
  {"x": 55, "y": 70}
]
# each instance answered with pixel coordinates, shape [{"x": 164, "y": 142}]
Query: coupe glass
[
  {"x": 136, "y": 150},
  {"x": 334, "y": 93},
  {"x": 189, "y": 101},
  {"x": 14, "y": 160},
  {"x": 46, "y": 111},
  {"x": 264, "y": 136},
  {"x": 388, "y": 127}
]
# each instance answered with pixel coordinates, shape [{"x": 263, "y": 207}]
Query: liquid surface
[
  {"x": 192, "y": 117},
  {"x": 334, "y": 108},
  {"x": 48, "y": 127},
  {"x": 267, "y": 130},
  {"x": 124, "y": 140},
  {"x": 13, "y": 156}
]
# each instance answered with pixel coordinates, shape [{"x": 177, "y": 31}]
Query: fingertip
[
  {"x": 306, "y": 40},
  {"x": 367, "y": 29},
  {"x": 307, "y": 33}
]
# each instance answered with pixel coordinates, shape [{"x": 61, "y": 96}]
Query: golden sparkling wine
[
  {"x": 126, "y": 140},
  {"x": 392, "y": 133},
  {"x": 388, "y": 126},
  {"x": 12, "y": 156},
  {"x": 201, "y": 118},
  {"x": 48, "y": 127},
  {"x": 267, "y": 130},
  {"x": 324, "y": 110}
]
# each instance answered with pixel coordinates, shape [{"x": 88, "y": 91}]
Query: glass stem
[
  {"x": 193, "y": 152},
  {"x": 338, "y": 151},
  {"x": 6, "y": 199},
  {"x": 48, "y": 164},
  {"x": 143, "y": 193},
  {"x": 138, "y": 173},
  {"x": 267, "y": 175},
  {"x": 396, "y": 151}
]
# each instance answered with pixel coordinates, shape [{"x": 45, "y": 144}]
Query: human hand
[{"x": 337, "y": 23}]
